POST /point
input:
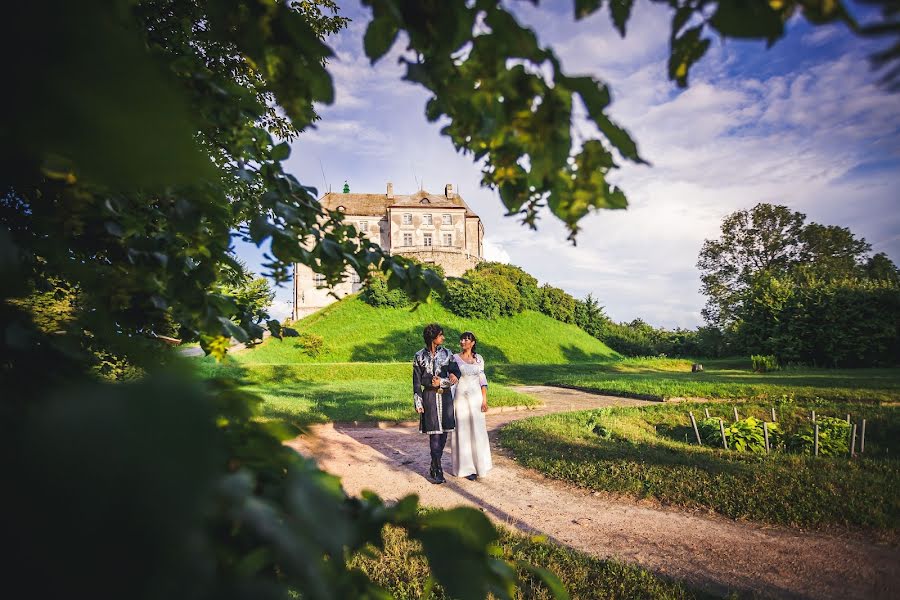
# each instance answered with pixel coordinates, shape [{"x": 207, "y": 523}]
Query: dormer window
[
  {"x": 424, "y": 201},
  {"x": 341, "y": 208}
]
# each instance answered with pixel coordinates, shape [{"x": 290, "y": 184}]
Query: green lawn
[
  {"x": 400, "y": 570},
  {"x": 353, "y": 331},
  {"x": 723, "y": 379},
  {"x": 648, "y": 453},
  {"x": 301, "y": 394}
]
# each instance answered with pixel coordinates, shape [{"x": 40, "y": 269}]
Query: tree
[
  {"x": 772, "y": 241},
  {"x": 832, "y": 251},
  {"x": 764, "y": 239},
  {"x": 882, "y": 268},
  {"x": 589, "y": 315},
  {"x": 139, "y": 134}
]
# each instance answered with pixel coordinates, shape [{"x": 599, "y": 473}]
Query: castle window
[
  {"x": 427, "y": 240},
  {"x": 447, "y": 219},
  {"x": 363, "y": 226},
  {"x": 407, "y": 218},
  {"x": 407, "y": 239},
  {"x": 318, "y": 278},
  {"x": 426, "y": 219},
  {"x": 354, "y": 277},
  {"x": 448, "y": 239}
]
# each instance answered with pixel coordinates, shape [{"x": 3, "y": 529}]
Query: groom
[{"x": 434, "y": 371}]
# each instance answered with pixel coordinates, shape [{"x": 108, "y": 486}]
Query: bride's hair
[{"x": 468, "y": 335}]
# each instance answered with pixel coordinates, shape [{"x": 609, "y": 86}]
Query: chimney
[
  {"x": 448, "y": 190},
  {"x": 390, "y": 190}
]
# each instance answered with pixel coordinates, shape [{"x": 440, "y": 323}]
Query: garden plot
[{"x": 653, "y": 453}]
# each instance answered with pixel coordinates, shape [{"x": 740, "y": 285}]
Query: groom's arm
[
  {"x": 452, "y": 369},
  {"x": 417, "y": 386}
]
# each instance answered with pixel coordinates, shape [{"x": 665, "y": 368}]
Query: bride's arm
[{"x": 482, "y": 379}]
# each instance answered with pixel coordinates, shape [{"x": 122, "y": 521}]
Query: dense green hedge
[{"x": 852, "y": 322}]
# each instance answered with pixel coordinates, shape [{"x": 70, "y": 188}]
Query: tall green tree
[
  {"x": 764, "y": 239},
  {"x": 772, "y": 241}
]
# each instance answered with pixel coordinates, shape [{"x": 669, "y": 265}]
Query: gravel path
[{"x": 705, "y": 550}]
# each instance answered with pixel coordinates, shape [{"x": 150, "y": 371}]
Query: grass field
[
  {"x": 300, "y": 394},
  {"x": 647, "y": 453},
  {"x": 722, "y": 379},
  {"x": 404, "y": 573},
  {"x": 353, "y": 331}
]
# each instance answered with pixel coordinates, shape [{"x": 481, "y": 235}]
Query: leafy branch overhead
[{"x": 509, "y": 104}]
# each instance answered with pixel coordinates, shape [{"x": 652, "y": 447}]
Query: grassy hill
[{"x": 353, "y": 331}]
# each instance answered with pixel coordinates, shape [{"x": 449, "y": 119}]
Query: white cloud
[
  {"x": 494, "y": 251},
  {"x": 281, "y": 309}
]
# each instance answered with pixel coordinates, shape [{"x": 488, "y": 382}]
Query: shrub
[
  {"x": 472, "y": 299},
  {"x": 844, "y": 323},
  {"x": 525, "y": 284},
  {"x": 744, "y": 435},
  {"x": 311, "y": 343},
  {"x": 507, "y": 296},
  {"x": 834, "y": 437},
  {"x": 556, "y": 303},
  {"x": 764, "y": 363},
  {"x": 376, "y": 293}
]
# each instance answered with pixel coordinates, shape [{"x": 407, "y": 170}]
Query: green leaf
[
  {"x": 231, "y": 329},
  {"x": 585, "y": 8},
  {"x": 686, "y": 50},
  {"x": 620, "y": 11},
  {"x": 281, "y": 152},
  {"x": 275, "y": 328},
  {"x": 746, "y": 19},
  {"x": 379, "y": 37}
]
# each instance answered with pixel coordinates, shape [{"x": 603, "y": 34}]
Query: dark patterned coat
[{"x": 438, "y": 416}]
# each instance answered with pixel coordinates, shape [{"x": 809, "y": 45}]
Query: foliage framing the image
[{"x": 141, "y": 134}]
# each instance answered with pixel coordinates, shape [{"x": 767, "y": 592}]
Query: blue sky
[{"x": 801, "y": 124}]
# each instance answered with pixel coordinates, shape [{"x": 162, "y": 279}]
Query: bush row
[{"x": 747, "y": 435}]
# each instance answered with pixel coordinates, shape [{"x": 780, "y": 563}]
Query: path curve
[{"x": 708, "y": 551}]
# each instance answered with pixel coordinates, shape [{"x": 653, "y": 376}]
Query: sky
[{"x": 803, "y": 124}]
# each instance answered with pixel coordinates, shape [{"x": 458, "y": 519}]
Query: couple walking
[{"x": 450, "y": 394}]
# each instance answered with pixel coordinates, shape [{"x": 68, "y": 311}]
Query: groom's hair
[{"x": 430, "y": 332}]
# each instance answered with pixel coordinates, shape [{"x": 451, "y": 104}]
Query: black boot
[{"x": 437, "y": 474}]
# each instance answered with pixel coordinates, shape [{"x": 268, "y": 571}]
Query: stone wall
[{"x": 455, "y": 262}]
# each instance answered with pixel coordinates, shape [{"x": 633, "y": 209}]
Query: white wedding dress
[{"x": 470, "y": 450}]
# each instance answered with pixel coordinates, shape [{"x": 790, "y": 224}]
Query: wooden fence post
[
  {"x": 813, "y": 416},
  {"x": 848, "y": 418},
  {"x": 766, "y": 434},
  {"x": 696, "y": 431},
  {"x": 853, "y": 441},
  {"x": 706, "y": 411},
  {"x": 722, "y": 430},
  {"x": 862, "y": 438},
  {"x": 736, "y": 417},
  {"x": 816, "y": 438},
  {"x": 774, "y": 420}
]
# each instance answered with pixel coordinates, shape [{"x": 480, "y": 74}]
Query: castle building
[{"x": 438, "y": 229}]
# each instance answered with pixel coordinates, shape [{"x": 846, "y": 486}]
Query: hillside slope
[{"x": 353, "y": 331}]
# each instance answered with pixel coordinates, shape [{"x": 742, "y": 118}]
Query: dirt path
[{"x": 705, "y": 550}]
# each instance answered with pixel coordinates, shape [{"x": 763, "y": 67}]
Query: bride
[{"x": 470, "y": 449}]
